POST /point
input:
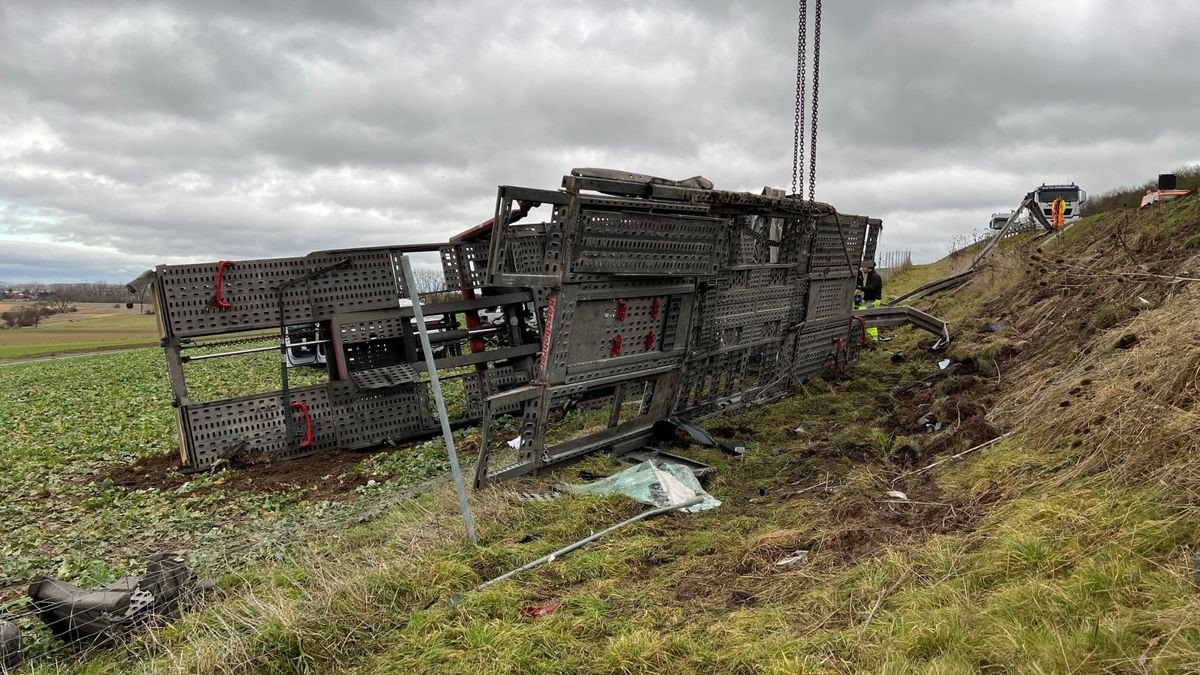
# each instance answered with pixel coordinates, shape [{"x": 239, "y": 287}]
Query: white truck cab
[
  {"x": 1071, "y": 194},
  {"x": 999, "y": 219}
]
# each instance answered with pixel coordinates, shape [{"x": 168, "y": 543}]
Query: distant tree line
[
  {"x": 30, "y": 314},
  {"x": 65, "y": 292}
]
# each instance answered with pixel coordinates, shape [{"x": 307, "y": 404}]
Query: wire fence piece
[{"x": 891, "y": 263}]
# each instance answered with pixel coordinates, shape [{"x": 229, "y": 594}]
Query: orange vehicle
[
  {"x": 1156, "y": 196},
  {"x": 1166, "y": 191}
]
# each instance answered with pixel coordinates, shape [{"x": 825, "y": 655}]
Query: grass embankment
[
  {"x": 916, "y": 276},
  {"x": 1068, "y": 547},
  {"x": 67, "y": 333},
  {"x": 992, "y": 563}
]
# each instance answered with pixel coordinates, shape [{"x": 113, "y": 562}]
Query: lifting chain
[
  {"x": 816, "y": 90},
  {"x": 798, "y": 150},
  {"x": 801, "y": 54}
]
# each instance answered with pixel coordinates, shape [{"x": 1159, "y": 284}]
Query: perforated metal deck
[{"x": 650, "y": 300}]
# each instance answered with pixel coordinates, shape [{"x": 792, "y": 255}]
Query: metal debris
[
  {"x": 10, "y": 646},
  {"x": 538, "y": 611},
  {"x": 75, "y": 614},
  {"x": 550, "y": 557},
  {"x": 792, "y": 560}
]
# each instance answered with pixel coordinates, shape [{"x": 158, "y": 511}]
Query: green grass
[
  {"x": 90, "y": 334},
  {"x": 1088, "y": 576},
  {"x": 914, "y": 277}
]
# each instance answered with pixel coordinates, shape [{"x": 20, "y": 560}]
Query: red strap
[
  {"x": 219, "y": 299},
  {"x": 622, "y": 310},
  {"x": 654, "y": 307},
  {"x": 615, "y": 348},
  {"x": 308, "y": 428},
  {"x": 649, "y": 344},
  {"x": 546, "y": 335},
  {"x": 862, "y": 340}
]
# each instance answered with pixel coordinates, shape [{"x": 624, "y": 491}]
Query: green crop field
[
  {"x": 86, "y": 334},
  {"x": 87, "y": 469}
]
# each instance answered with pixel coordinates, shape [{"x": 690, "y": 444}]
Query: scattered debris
[
  {"x": 529, "y": 538},
  {"x": 10, "y": 646},
  {"x": 968, "y": 451},
  {"x": 896, "y": 494},
  {"x": 540, "y": 496},
  {"x": 899, "y": 357},
  {"x": 800, "y": 430},
  {"x": 702, "y": 437},
  {"x": 1127, "y": 341},
  {"x": 700, "y": 470},
  {"x": 925, "y": 382},
  {"x": 74, "y": 614},
  {"x": 538, "y": 611},
  {"x": 795, "y": 558},
  {"x": 657, "y": 483},
  {"x": 929, "y": 422},
  {"x": 943, "y": 364}
]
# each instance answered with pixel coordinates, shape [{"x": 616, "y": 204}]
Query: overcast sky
[{"x": 133, "y": 134}]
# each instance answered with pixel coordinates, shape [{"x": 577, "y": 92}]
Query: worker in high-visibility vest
[
  {"x": 1059, "y": 208},
  {"x": 870, "y": 291}
]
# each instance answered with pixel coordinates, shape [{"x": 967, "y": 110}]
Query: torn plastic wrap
[{"x": 655, "y": 483}]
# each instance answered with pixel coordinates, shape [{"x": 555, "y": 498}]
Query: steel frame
[{"x": 651, "y": 297}]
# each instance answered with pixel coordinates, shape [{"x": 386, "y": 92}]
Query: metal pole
[
  {"x": 436, "y": 385},
  {"x": 255, "y": 350},
  {"x": 589, "y": 539}
]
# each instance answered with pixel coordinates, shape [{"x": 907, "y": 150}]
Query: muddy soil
[{"x": 320, "y": 477}]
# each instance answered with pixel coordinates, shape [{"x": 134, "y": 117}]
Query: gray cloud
[{"x": 134, "y": 133}]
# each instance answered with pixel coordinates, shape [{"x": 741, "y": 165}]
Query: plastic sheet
[{"x": 656, "y": 483}]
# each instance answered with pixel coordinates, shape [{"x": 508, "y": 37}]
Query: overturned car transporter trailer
[{"x": 581, "y": 317}]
